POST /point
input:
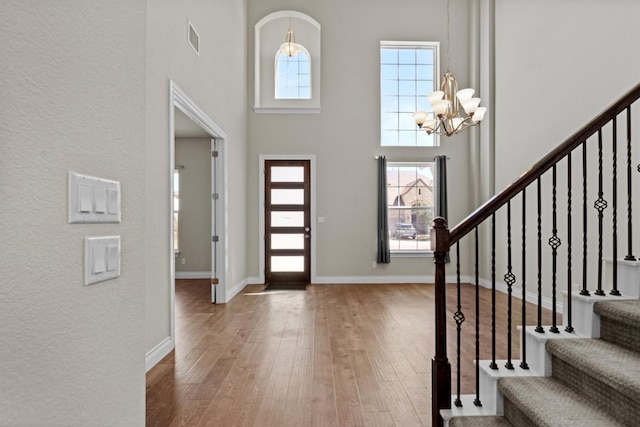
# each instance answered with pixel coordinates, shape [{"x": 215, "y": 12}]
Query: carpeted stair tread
[
  {"x": 482, "y": 421},
  {"x": 610, "y": 364},
  {"x": 546, "y": 402},
  {"x": 627, "y": 312}
]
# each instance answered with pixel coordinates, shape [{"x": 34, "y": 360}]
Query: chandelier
[
  {"x": 453, "y": 110},
  {"x": 290, "y": 47}
]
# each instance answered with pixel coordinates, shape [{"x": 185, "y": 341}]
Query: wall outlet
[{"x": 183, "y": 261}]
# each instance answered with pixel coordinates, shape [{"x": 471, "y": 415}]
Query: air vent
[{"x": 193, "y": 38}]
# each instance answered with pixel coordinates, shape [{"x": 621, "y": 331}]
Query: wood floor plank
[{"x": 335, "y": 355}]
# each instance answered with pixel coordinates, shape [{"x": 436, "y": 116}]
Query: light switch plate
[
  {"x": 93, "y": 200},
  {"x": 101, "y": 259}
]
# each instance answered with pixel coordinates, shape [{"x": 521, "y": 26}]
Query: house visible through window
[
  {"x": 293, "y": 76},
  {"x": 408, "y": 72},
  {"x": 410, "y": 198}
]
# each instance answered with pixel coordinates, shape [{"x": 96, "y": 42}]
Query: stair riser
[
  {"x": 601, "y": 395},
  {"x": 515, "y": 416},
  {"x": 620, "y": 334}
]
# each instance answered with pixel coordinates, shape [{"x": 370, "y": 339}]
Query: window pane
[
  {"x": 407, "y": 138},
  {"x": 389, "y": 137},
  {"x": 424, "y": 72},
  {"x": 408, "y": 104},
  {"x": 389, "y": 56},
  {"x": 389, "y": 87},
  {"x": 287, "y": 174},
  {"x": 407, "y": 72},
  {"x": 424, "y": 56},
  {"x": 407, "y": 56},
  {"x": 407, "y": 121},
  {"x": 407, "y": 87},
  {"x": 389, "y": 121},
  {"x": 287, "y": 241},
  {"x": 390, "y": 104},
  {"x": 287, "y": 263},
  {"x": 424, "y": 87},
  {"x": 292, "y": 73},
  {"x": 287, "y": 219},
  {"x": 287, "y": 197},
  {"x": 389, "y": 72}
]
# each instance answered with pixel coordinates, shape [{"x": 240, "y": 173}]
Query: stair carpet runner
[{"x": 594, "y": 382}]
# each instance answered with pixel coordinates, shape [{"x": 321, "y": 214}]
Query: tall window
[
  {"x": 408, "y": 73},
  {"x": 410, "y": 198},
  {"x": 293, "y": 76}
]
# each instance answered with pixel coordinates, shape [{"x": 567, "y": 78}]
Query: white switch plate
[
  {"x": 101, "y": 259},
  {"x": 93, "y": 200}
]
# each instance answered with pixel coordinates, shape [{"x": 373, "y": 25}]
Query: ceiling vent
[{"x": 193, "y": 38}]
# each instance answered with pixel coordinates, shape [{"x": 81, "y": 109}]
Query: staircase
[{"x": 590, "y": 381}]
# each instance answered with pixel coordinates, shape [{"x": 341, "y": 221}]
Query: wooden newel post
[{"x": 440, "y": 367}]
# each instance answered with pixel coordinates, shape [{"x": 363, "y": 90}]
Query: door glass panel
[
  {"x": 287, "y": 219},
  {"x": 287, "y": 197},
  {"x": 287, "y": 241},
  {"x": 287, "y": 174},
  {"x": 283, "y": 264}
]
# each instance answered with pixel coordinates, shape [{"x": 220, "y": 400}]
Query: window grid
[
  {"x": 410, "y": 197},
  {"x": 293, "y": 77},
  {"x": 407, "y": 75}
]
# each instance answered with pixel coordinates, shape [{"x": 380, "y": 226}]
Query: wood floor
[{"x": 335, "y": 355}]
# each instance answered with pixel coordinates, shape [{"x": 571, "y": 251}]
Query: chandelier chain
[{"x": 448, "y": 34}]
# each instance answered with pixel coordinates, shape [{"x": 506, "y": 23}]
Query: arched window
[{"x": 293, "y": 76}]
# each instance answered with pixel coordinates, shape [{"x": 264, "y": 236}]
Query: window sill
[
  {"x": 293, "y": 110},
  {"x": 408, "y": 254}
]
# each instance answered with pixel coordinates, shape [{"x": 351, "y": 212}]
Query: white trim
[
  {"x": 157, "y": 353},
  {"x": 193, "y": 274},
  {"x": 261, "y": 165},
  {"x": 236, "y": 289},
  {"x": 296, "y": 110},
  {"x": 517, "y": 293},
  {"x": 315, "y": 82},
  {"x": 254, "y": 281},
  {"x": 180, "y": 100}
]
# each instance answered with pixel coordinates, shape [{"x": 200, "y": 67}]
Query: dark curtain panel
[
  {"x": 384, "y": 254},
  {"x": 440, "y": 202}
]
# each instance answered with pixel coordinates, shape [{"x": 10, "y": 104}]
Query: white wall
[
  {"x": 216, "y": 82},
  {"x": 345, "y": 136},
  {"x": 72, "y": 84},
  {"x": 193, "y": 155},
  {"x": 557, "y": 65}
]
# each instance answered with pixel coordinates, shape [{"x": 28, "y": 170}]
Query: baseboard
[
  {"x": 236, "y": 289},
  {"x": 517, "y": 293},
  {"x": 193, "y": 274},
  {"x": 254, "y": 281},
  {"x": 340, "y": 280},
  {"x": 157, "y": 353}
]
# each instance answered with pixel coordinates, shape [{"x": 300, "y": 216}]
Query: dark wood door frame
[{"x": 303, "y": 276}]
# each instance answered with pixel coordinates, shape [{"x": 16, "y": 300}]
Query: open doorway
[{"x": 197, "y": 184}]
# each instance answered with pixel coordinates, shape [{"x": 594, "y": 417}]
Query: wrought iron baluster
[
  {"x": 459, "y": 318},
  {"x": 629, "y": 256},
  {"x": 584, "y": 290},
  {"x": 493, "y": 364},
  {"x": 477, "y": 401},
  {"x": 555, "y": 243},
  {"x": 523, "y": 350},
  {"x": 539, "y": 327},
  {"x": 600, "y": 206},
  {"x": 509, "y": 279},
  {"x": 569, "y": 327},
  {"x": 614, "y": 199}
]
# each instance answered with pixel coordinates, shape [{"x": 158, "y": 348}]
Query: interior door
[{"x": 287, "y": 221}]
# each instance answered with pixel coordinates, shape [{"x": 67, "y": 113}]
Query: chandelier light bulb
[
  {"x": 435, "y": 96},
  {"x": 420, "y": 117},
  {"x": 479, "y": 114},
  {"x": 440, "y": 107},
  {"x": 471, "y": 105}
]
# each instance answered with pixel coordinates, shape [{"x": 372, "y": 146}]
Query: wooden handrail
[{"x": 493, "y": 204}]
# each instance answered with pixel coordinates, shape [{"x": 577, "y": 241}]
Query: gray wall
[
  {"x": 559, "y": 64},
  {"x": 72, "y": 83},
  {"x": 345, "y": 136},
  {"x": 194, "y": 236},
  {"x": 216, "y": 82}
]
